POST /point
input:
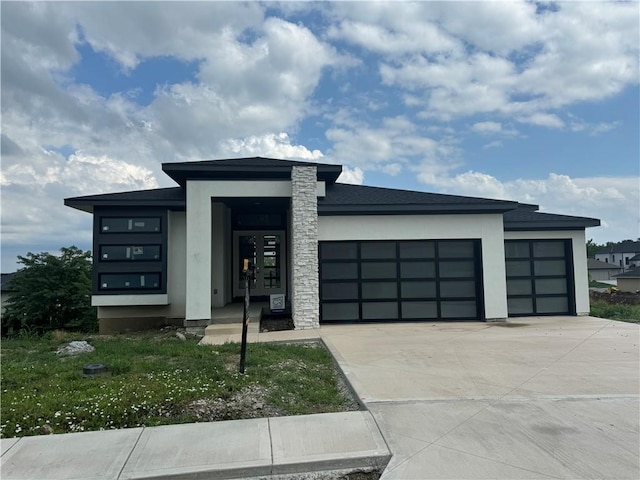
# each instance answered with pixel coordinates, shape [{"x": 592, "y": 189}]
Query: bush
[{"x": 50, "y": 293}]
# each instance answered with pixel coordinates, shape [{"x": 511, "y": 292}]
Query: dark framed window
[
  {"x": 135, "y": 253},
  {"x": 130, "y": 250},
  {"x": 129, "y": 281},
  {"x": 539, "y": 277},
  {"x": 130, "y": 224},
  {"x": 400, "y": 280}
]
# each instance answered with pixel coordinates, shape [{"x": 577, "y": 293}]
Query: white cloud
[
  {"x": 494, "y": 144},
  {"x": 543, "y": 120},
  {"x": 353, "y": 176},
  {"x": 615, "y": 199},
  {"x": 254, "y": 78},
  {"x": 270, "y": 145},
  {"x": 487, "y": 127},
  {"x": 531, "y": 63}
]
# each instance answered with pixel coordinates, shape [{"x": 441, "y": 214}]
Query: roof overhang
[
  {"x": 172, "y": 198},
  {"x": 245, "y": 168}
]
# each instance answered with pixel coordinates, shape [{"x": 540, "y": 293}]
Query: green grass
[
  {"x": 627, "y": 313},
  {"x": 152, "y": 378}
]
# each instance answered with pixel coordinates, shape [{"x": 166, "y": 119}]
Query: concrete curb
[{"x": 223, "y": 450}]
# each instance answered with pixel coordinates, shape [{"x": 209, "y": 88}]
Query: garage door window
[{"x": 400, "y": 280}]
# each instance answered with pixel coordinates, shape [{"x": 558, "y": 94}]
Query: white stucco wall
[
  {"x": 198, "y": 251},
  {"x": 221, "y": 258},
  {"x": 486, "y": 227},
  {"x": 579, "y": 247},
  {"x": 176, "y": 268}
]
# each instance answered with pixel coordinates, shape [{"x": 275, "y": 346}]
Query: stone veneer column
[{"x": 305, "y": 302}]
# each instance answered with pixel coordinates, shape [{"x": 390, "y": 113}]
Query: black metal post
[{"x": 245, "y": 319}]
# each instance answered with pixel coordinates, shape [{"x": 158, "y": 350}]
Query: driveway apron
[{"x": 536, "y": 397}]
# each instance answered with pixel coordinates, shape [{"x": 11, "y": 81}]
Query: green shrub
[{"x": 51, "y": 292}]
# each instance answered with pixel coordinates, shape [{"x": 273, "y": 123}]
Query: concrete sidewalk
[{"x": 232, "y": 449}]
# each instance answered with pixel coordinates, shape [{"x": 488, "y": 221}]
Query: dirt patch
[
  {"x": 250, "y": 402},
  {"x": 617, "y": 298}
]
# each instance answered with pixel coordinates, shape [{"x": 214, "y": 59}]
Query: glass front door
[{"x": 266, "y": 250}]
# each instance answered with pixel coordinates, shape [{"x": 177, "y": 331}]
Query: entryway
[{"x": 266, "y": 249}]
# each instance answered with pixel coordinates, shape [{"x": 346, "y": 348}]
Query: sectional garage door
[
  {"x": 400, "y": 280},
  {"x": 539, "y": 277}
]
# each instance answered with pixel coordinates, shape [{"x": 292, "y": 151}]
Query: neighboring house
[
  {"x": 629, "y": 281},
  {"x": 339, "y": 252},
  {"x": 599, "y": 271},
  {"x": 5, "y": 289},
  {"x": 635, "y": 261},
  {"x": 621, "y": 255}
]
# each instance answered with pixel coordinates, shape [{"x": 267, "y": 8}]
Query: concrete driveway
[{"x": 539, "y": 397}]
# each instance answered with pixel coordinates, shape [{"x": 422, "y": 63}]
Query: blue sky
[{"x": 534, "y": 102}]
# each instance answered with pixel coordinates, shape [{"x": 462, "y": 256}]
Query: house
[
  {"x": 600, "y": 271},
  {"x": 629, "y": 281},
  {"x": 5, "y": 289},
  {"x": 621, "y": 254},
  {"x": 340, "y": 253}
]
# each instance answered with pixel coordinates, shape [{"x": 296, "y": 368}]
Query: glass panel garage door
[
  {"x": 539, "y": 277},
  {"x": 400, "y": 280}
]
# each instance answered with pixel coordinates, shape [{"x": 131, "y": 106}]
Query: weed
[{"x": 628, "y": 313}]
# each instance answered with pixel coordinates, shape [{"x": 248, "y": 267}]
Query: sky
[{"x": 533, "y": 102}]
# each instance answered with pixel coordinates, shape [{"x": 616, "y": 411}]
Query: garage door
[
  {"x": 400, "y": 280},
  {"x": 539, "y": 277}
]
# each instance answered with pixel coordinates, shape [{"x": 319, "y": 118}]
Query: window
[
  {"x": 111, "y": 253},
  {"x": 129, "y": 224},
  {"x": 130, "y": 251},
  {"x": 129, "y": 281}
]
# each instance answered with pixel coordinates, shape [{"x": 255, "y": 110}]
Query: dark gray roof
[
  {"x": 526, "y": 219},
  {"x": 345, "y": 199},
  {"x": 340, "y": 199},
  {"x": 245, "y": 168},
  {"x": 633, "y": 273},
  {"x": 159, "y": 197},
  {"x": 593, "y": 264},
  {"x": 5, "y": 281},
  {"x": 628, "y": 246}
]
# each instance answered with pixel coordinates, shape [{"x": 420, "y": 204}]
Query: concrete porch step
[
  {"x": 231, "y": 328},
  {"x": 226, "y": 322}
]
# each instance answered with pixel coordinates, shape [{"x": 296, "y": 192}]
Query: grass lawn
[
  {"x": 157, "y": 379},
  {"x": 612, "y": 311}
]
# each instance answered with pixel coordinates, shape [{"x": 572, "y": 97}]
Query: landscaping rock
[
  {"x": 75, "y": 348},
  {"x": 181, "y": 336}
]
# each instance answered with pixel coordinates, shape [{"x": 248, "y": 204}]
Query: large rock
[{"x": 75, "y": 348}]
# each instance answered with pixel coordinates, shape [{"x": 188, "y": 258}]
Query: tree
[
  {"x": 51, "y": 292},
  {"x": 592, "y": 248}
]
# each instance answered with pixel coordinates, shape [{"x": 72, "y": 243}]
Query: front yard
[{"x": 156, "y": 379}]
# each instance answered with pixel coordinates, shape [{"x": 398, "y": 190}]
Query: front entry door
[{"x": 266, "y": 250}]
